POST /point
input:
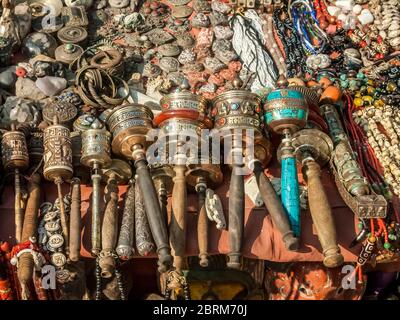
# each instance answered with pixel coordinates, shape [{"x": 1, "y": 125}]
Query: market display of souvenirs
[{"x": 246, "y": 149}]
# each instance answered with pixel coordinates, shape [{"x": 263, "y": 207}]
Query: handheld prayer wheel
[
  {"x": 96, "y": 155},
  {"x": 15, "y": 158},
  {"x": 181, "y": 121},
  {"x": 286, "y": 112},
  {"x": 129, "y": 125},
  {"x": 236, "y": 115},
  {"x": 58, "y": 164},
  {"x": 313, "y": 150},
  {"x": 202, "y": 176},
  {"x": 118, "y": 172}
]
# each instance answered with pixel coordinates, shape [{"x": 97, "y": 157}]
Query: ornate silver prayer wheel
[
  {"x": 237, "y": 114},
  {"x": 129, "y": 125},
  {"x": 313, "y": 150},
  {"x": 15, "y": 158},
  {"x": 58, "y": 163},
  {"x": 96, "y": 155}
]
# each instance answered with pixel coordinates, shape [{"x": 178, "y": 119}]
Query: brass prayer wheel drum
[
  {"x": 14, "y": 151},
  {"x": 237, "y": 109},
  {"x": 96, "y": 148},
  {"x": 184, "y": 100},
  {"x": 285, "y": 109},
  {"x": 57, "y": 153},
  {"x": 129, "y": 125}
]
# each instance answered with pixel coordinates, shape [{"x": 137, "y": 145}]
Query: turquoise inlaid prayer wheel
[{"x": 286, "y": 112}]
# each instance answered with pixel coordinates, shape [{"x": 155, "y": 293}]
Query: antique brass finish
[
  {"x": 58, "y": 164},
  {"x": 15, "y": 158}
]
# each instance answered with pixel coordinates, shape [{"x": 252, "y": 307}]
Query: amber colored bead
[
  {"x": 368, "y": 100},
  {"x": 312, "y": 83},
  {"x": 379, "y": 103},
  {"x": 358, "y": 102},
  {"x": 370, "y": 90},
  {"x": 331, "y": 94},
  {"x": 325, "y": 82}
]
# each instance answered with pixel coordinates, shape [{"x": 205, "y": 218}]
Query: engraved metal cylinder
[
  {"x": 57, "y": 153},
  {"x": 96, "y": 148},
  {"x": 14, "y": 151}
]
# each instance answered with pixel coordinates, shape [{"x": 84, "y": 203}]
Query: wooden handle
[
  {"x": 321, "y": 214},
  {"x": 154, "y": 216},
  {"x": 125, "y": 248},
  {"x": 144, "y": 239},
  {"x": 202, "y": 226},
  {"x": 236, "y": 217},
  {"x": 109, "y": 230},
  {"x": 177, "y": 226},
  {"x": 26, "y": 265},
  {"x": 275, "y": 208},
  {"x": 75, "y": 221}
]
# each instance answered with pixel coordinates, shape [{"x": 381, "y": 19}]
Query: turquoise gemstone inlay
[
  {"x": 285, "y": 114},
  {"x": 290, "y": 193},
  {"x": 284, "y": 93}
]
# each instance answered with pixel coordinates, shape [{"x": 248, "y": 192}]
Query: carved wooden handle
[
  {"x": 178, "y": 219},
  {"x": 75, "y": 221},
  {"x": 25, "y": 268},
  {"x": 109, "y": 230},
  {"x": 202, "y": 227},
  {"x": 236, "y": 217},
  {"x": 321, "y": 214},
  {"x": 144, "y": 239},
  {"x": 154, "y": 216},
  {"x": 125, "y": 248},
  {"x": 275, "y": 208}
]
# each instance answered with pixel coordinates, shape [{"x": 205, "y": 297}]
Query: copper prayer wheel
[
  {"x": 15, "y": 158},
  {"x": 313, "y": 150},
  {"x": 129, "y": 125},
  {"x": 96, "y": 155},
  {"x": 58, "y": 164},
  {"x": 237, "y": 113}
]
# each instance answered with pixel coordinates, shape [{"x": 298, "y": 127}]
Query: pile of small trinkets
[{"x": 84, "y": 84}]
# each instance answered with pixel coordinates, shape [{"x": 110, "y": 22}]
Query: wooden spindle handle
[
  {"x": 26, "y": 265},
  {"x": 321, "y": 214},
  {"x": 275, "y": 208},
  {"x": 75, "y": 221},
  {"x": 178, "y": 218},
  {"x": 110, "y": 230},
  {"x": 236, "y": 217},
  {"x": 125, "y": 248},
  {"x": 202, "y": 226}
]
